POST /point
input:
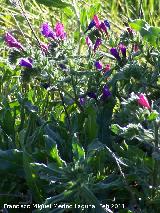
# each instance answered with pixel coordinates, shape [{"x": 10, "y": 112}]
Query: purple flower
[
  {"x": 90, "y": 26},
  {"x": 82, "y": 101},
  {"x": 62, "y": 66},
  {"x": 123, "y": 49},
  {"x": 107, "y": 68},
  {"x": 92, "y": 95},
  {"x": 97, "y": 44},
  {"x": 96, "y": 21},
  {"x": 135, "y": 48},
  {"x": 115, "y": 53},
  {"x": 26, "y": 62},
  {"x": 143, "y": 101},
  {"x": 103, "y": 27},
  {"x": 89, "y": 42},
  {"x": 47, "y": 31},
  {"x": 130, "y": 31},
  {"x": 44, "y": 47},
  {"x": 12, "y": 42},
  {"x": 59, "y": 30},
  {"x": 107, "y": 24},
  {"x": 98, "y": 65},
  {"x": 106, "y": 92}
]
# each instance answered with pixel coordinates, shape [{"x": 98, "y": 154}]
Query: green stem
[
  {"x": 75, "y": 94},
  {"x": 46, "y": 104},
  {"x": 29, "y": 24},
  {"x": 155, "y": 166},
  {"x": 65, "y": 109},
  {"x": 140, "y": 9},
  {"x": 74, "y": 7}
]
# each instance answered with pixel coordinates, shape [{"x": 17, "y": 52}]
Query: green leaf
[
  {"x": 137, "y": 24},
  {"x": 32, "y": 177},
  {"x": 115, "y": 128},
  {"x": 95, "y": 146},
  {"x": 90, "y": 197},
  {"x": 78, "y": 151},
  {"x": 91, "y": 126},
  {"x": 153, "y": 115},
  {"x": 53, "y": 151},
  {"x": 104, "y": 121},
  {"x": 108, "y": 186},
  {"x": 11, "y": 162},
  {"x": 54, "y": 3},
  {"x": 48, "y": 170},
  {"x": 149, "y": 33},
  {"x": 8, "y": 123}
]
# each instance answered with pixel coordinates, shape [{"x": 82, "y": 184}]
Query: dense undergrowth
[{"x": 79, "y": 106}]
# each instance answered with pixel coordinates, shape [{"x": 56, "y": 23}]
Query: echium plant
[{"x": 92, "y": 135}]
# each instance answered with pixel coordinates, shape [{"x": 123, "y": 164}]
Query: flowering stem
[{"x": 29, "y": 24}]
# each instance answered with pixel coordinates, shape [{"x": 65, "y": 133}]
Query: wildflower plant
[{"x": 82, "y": 127}]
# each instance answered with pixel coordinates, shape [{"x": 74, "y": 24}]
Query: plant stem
[
  {"x": 65, "y": 109},
  {"x": 155, "y": 166},
  {"x": 140, "y": 15},
  {"x": 29, "y": 24},
  {"x": 74, "y": 7},
  {"x": 46, "y": 104},
  {"x": 75, "y": 94}
]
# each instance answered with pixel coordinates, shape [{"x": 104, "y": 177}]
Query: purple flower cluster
[
  {"x": 26, "y": 62},
  {"x": 99, "y": 66},
  {"x": 92, "y": 95},
  {"x": 12, "y": 42},
  {"x": 89, "y": 42},
  {"x": 102, "y": 26},
  {"x": 56, "y": 33},
  {"x": 106, "y": 92},
  {"x": 116, "y": 51},
  {"x": 47, "y": 31},
  {"x": 97, "y": 44}
]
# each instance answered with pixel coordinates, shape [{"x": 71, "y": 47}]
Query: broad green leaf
[
  {"x": 53, "y": 151},
  {"x": 95, "y": 146},
  {"x": 78, "y": 151},
  {"x": 11, "y": 162},
  {"x": 90, "y": 197},
  {"x": 31, "y": 177},
  {"x": 104, "y": 121},
  {"x": 108, "y": 186},
  {"x": 149, "y": 33},
  {"x": 91, "y": 126},
  {"x": 50, "y": 171},
  {"x": 59, "y": 197},
  {"x": 137, "y": 24},
  {"x": 8, "y": 123}
]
